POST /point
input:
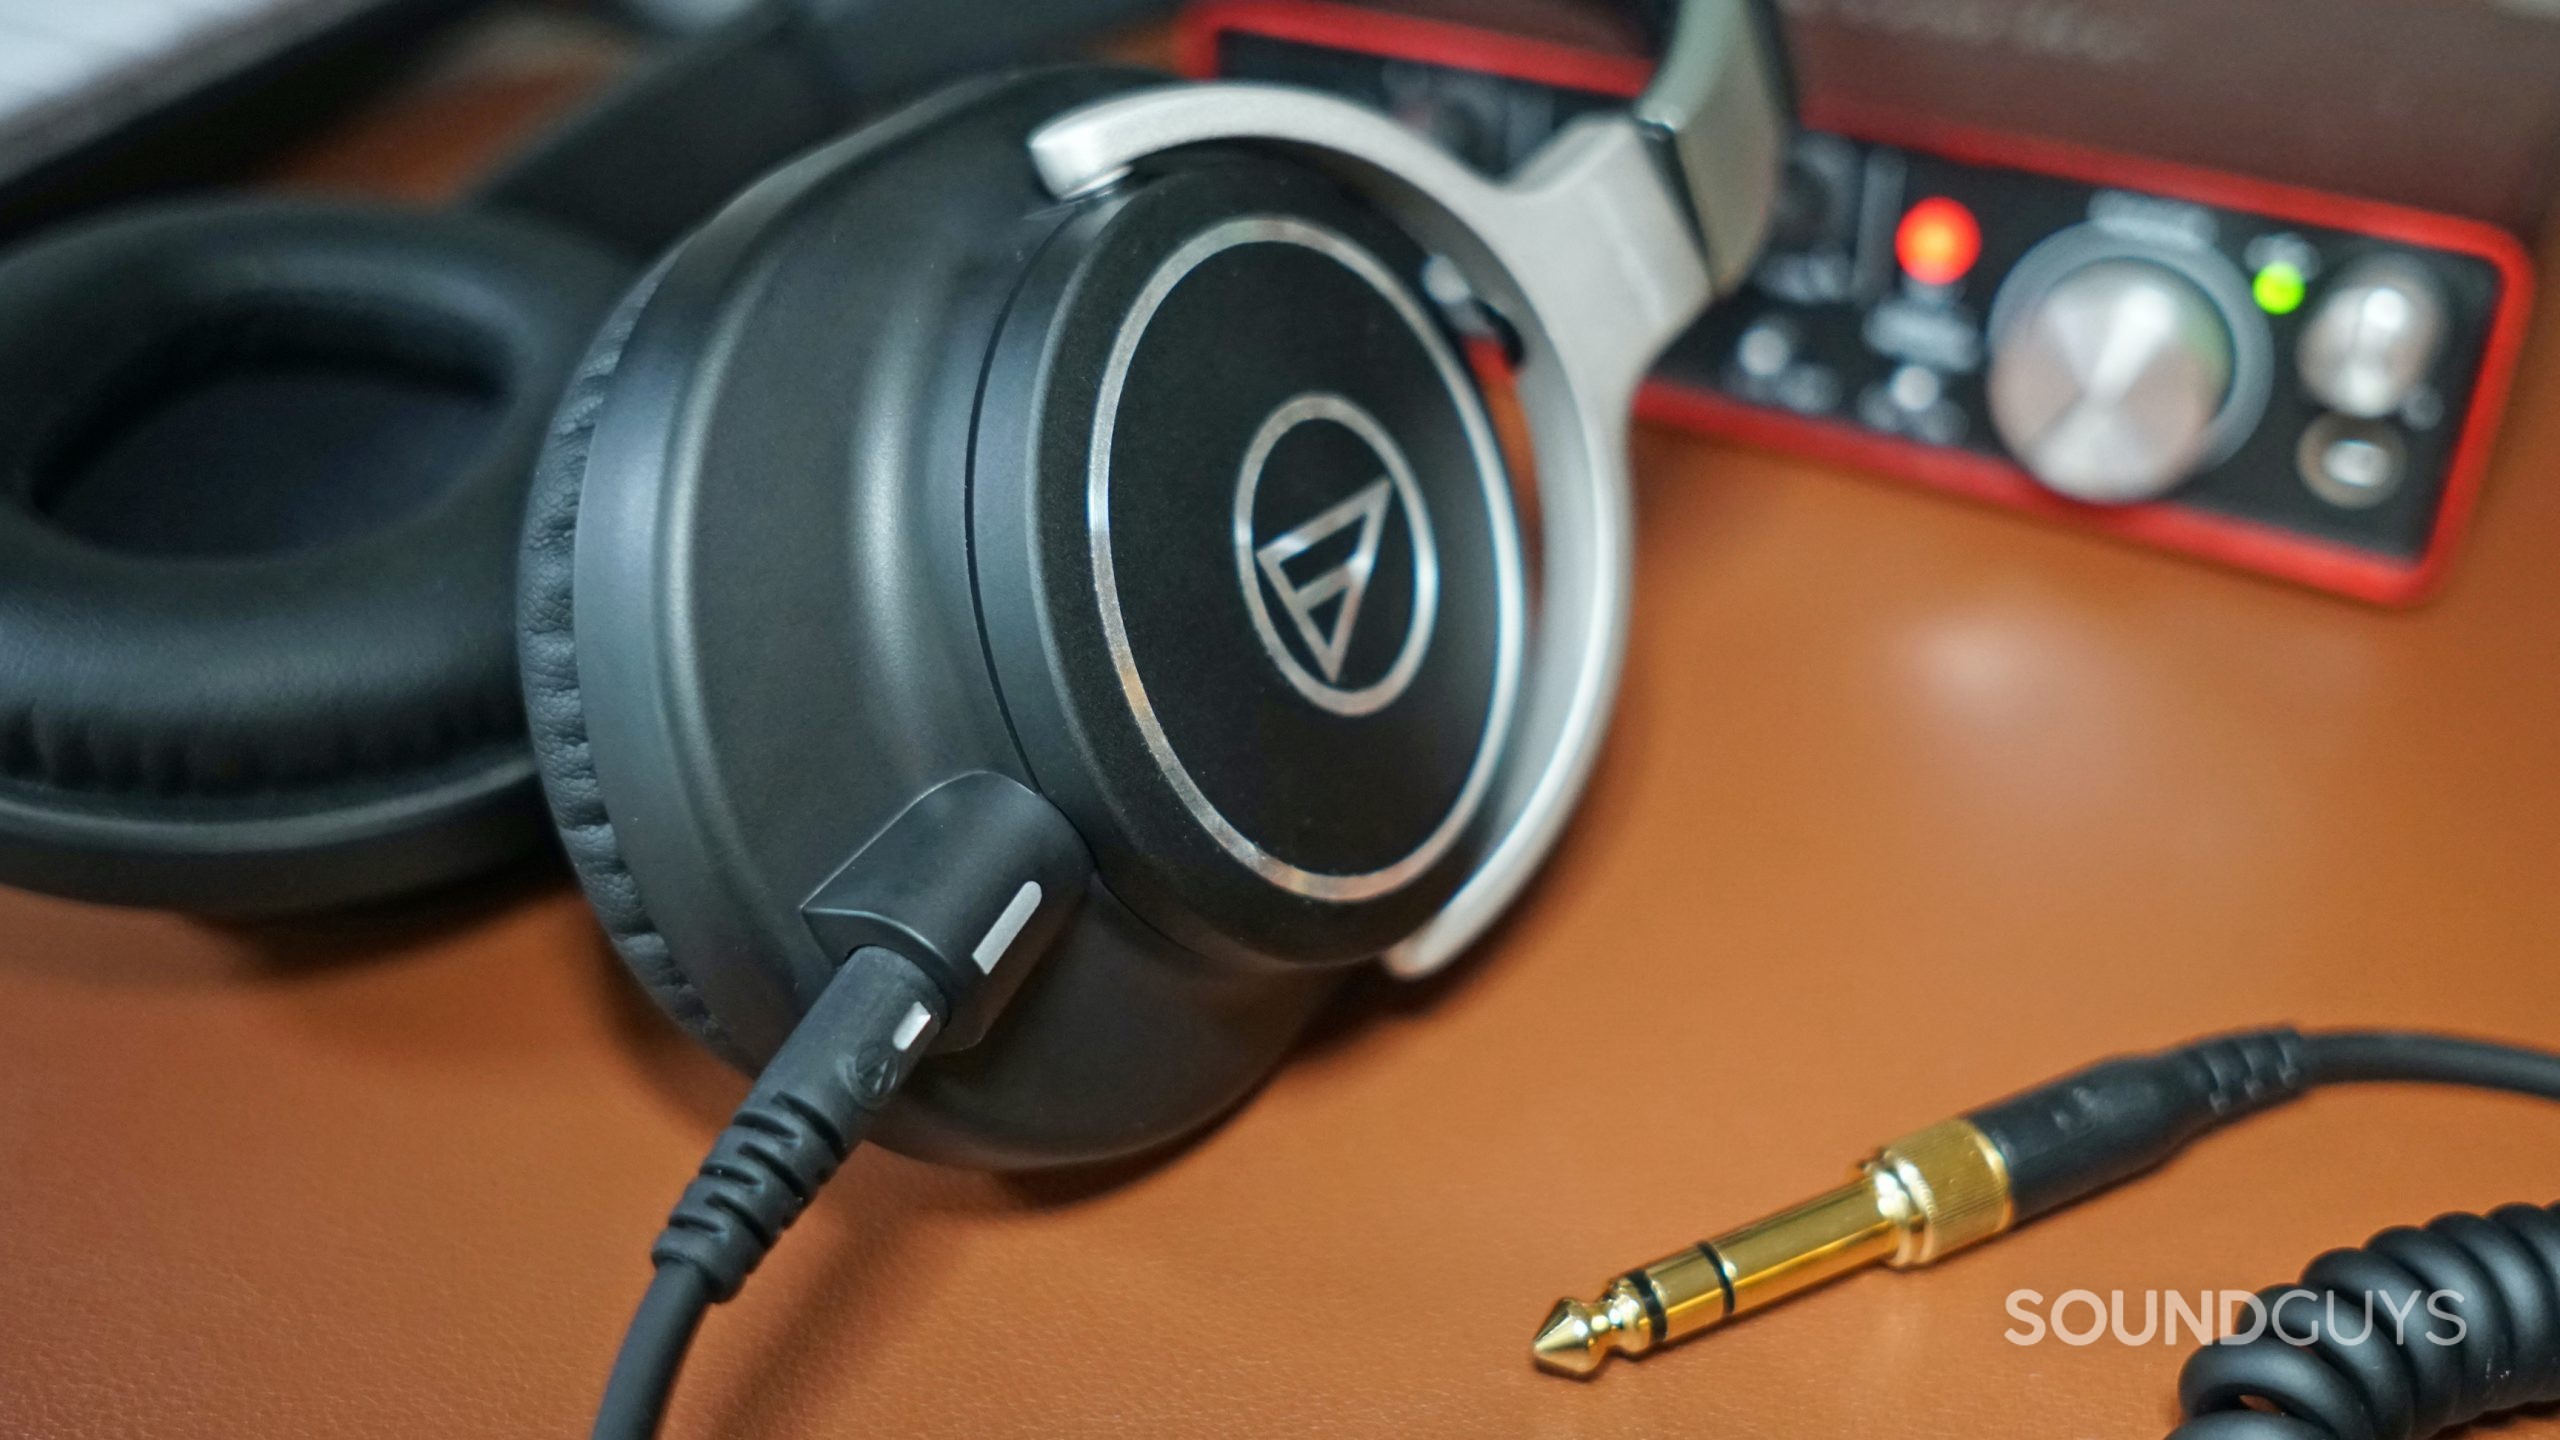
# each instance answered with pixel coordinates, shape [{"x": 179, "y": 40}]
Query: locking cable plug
[
  {"x": 808, "y": 1110},
  {"x": 939, "y": 916}
]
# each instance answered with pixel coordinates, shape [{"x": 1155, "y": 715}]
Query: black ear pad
[
  {"x": 262, "y": 468},
  {"x": 547, "y": 643}
]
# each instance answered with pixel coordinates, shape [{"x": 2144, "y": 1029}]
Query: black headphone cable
[
  {"x": 1918, "y": 1200},
  {"x": 809, "y": 1108}
]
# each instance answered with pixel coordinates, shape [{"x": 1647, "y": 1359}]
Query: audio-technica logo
[{"x": 1322, "y": 570}]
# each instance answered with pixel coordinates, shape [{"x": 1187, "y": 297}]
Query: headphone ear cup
[
  {"x": 751, "y": 627},
  {"x": 555, "y": 713},
  {"x": 555, "y": 698},
  {"x": 262, "y": 467},
  {"x": 559, "y": 703}
]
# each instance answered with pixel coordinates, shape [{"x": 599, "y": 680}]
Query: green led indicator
[{"x": 2280, "y": 288}]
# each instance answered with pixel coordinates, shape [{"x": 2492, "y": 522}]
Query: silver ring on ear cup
[
  {"x": 1594, "y": 260},
  {"x": 1599, "y": 253}
]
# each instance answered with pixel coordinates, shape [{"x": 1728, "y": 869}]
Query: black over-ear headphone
[
  {"x": 1054, "y": 500},
  {"x": 262, "y": 468},
  {"x": 1032, "y": 584},
  {"x": 1055, "y": 493},
  {"x": 1046, "y": 524},
  {"x": 1051, "y": 519}
]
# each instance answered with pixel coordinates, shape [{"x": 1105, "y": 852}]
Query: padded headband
[
  {"x": 676, "y": 141},
  {"x": 1719, "y": 108}
]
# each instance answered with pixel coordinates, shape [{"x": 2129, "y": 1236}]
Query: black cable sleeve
[
  {"x": 2349, "y": 1056},
  {"x": 2418, "y": 1331},
  {"x": 644, "y": 1371}
]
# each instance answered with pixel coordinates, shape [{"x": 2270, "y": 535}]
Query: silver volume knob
[
  {"x": 2374, "y": 338},
  {"x": 2107, "y": 386}
]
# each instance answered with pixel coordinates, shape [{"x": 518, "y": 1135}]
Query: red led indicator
[{"x": 1939, "y": 242}]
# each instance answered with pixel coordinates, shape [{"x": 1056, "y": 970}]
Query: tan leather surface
[{"x": 1909, "y": 804}]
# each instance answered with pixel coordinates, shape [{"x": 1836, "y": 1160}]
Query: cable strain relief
[
  {"x": 2242, "y": 1074},
  {"x": 755, "y": 1182},
  {"x": 812, "y": 1105},
  {"x": 2079, "y": 1134}
]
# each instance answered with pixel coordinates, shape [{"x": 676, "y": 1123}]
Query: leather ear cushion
[
  {"x": 546, "y": 618},
  {"x": 167, "y": 720}
]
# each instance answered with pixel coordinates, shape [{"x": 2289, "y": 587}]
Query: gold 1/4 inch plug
[
  {"x": 1920, "y": 1199},
  {"x": 1928, "y": 1195}
]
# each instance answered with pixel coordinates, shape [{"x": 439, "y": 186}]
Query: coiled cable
[{"x": 2421, "y": 1329}]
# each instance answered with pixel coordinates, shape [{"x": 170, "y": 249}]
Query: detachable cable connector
[
  {"x": 939, "y": 916},
  {"x": 808, "y": 1110}
]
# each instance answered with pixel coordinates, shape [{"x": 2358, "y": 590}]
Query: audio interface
[{"x": 2294, "y": 382}]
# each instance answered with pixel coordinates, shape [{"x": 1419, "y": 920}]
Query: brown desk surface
[{"x": 1909, "y": 803}]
